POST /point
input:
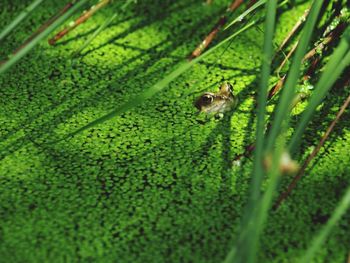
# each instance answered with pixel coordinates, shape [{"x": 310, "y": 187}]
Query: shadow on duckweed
[
  {"x": 74, "y": 108},
  {"x": 149, "y": 20}
]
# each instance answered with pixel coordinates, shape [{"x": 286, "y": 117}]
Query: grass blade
[
  {"x": 245, "y": 13},
  {"x": 248, "y": 246},
  {"x": 20, "y": 18},
  {"x": 287, "y": 95},
  {"x": 45, "y": 25},
  {"x": 16, "y": 57},
  {"x": 321, "y": 237},
  {"x": 262, "y": 97},
  {"x": 337, "y": 63}
]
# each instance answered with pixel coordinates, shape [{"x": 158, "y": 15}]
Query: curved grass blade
[
  {"x": 20, "y": 18},
  {"x": 160, "y": 85},
  {"x": 107, "y": 22},
  {"x": 337, "y": 63},
  {"x": 16, "y": 57},
  {"x": 321, "y": 237},
  {"x": 283, "y": 107}
]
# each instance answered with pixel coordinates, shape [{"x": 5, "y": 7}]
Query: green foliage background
[{"x": 156, "y": 184}]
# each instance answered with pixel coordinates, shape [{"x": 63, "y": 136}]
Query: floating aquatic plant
[{"x": 150, "y": 180}]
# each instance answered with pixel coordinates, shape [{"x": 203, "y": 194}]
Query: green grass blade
[
  {"x": 321, "y": 237},
  {"x": 339, "y": 60},
  {"x": 260, "y": 217},
  {"x": 262, "y": 97},
  {"x": 258, "y": 170},
  {"x": 248, "y": 245},
  {"x": 20, "y": 18},
  {"x": 283, "y": 107},
  {"x": 245, "y": 13},
  {"x": 16, "y": 57},
  {"x": 107, "y": 22},
  {"x": 183, "y": 67},
  {"x": 248, "y": 240}
]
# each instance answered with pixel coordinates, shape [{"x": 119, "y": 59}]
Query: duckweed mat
[{"x": 157, "y": 183}]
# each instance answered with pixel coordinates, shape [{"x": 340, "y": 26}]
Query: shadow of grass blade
[
  {"x": 282, "y": 110},
  {"x": 248, "y": 242},
  {"x": 339, "y": 60},
  {"x": 160, "y": 85},
  {"x": 321, "y": 237},
  {"x": 16, "y": 57},
  {"x": 7, "y": 30}
]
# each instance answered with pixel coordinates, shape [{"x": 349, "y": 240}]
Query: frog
[{"x": 217, "y": 103}]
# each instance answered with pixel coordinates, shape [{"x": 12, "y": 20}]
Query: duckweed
[{"x": 155, "y": 184}]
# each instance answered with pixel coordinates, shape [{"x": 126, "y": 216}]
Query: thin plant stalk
[
  {"x": 325, "y": 41},
  {"x": 290, "y": 53},
  {"x": 83, "y": 18},
  {"x": 16, "y": 57},
  {"x": 277, "y": 87},
  {"x": 107, "y": 22},
  {"x": 7, "y": 30},
  {"x": 251, "y": 7},
  {"x": 283, "y": 107},
  {"x": 294, "y": 30},
  {"x": 339, "y": 60},
  {"x": 326, "y": 230},
  {"x": 218, "y": 26},
  {"x": 312, "y": 155}
]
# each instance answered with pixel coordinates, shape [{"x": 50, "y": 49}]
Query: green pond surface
[{"x": 157, "y": 183}]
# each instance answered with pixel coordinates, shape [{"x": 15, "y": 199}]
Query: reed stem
[
  {"x": 83, "y": 18},
  {"x": 312, "y": 155}
]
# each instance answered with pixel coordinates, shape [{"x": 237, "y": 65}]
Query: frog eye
[{"x": 207, "y": 98}]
